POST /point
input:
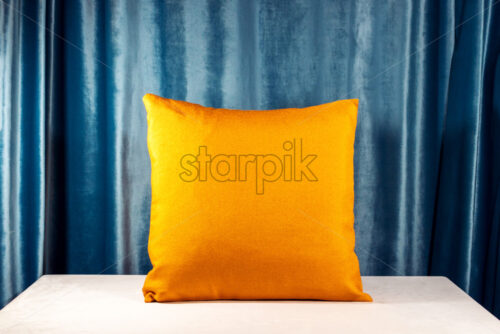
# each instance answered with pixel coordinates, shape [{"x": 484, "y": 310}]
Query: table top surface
[{"x": 114, "y": 303}]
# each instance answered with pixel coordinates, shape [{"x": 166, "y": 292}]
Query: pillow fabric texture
[{"x": 252, "y": 204}]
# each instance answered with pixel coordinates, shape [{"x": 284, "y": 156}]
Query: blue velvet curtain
[{"x": 74, "y": 182}]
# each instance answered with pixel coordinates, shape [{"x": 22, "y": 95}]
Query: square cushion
[{"x": 252, "y": 204}]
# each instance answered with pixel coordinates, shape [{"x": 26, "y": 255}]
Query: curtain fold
[{"x": 74, "y": 186}]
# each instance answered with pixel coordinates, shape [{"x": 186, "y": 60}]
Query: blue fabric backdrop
[{"x": 74, "y": 182}]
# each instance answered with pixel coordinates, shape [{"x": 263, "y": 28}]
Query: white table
[{"x": 103, "y": 304}]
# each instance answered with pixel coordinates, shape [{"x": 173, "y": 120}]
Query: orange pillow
[{"x": 252, "y": 204}]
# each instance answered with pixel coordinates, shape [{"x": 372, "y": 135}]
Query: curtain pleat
[{"x": 74, "y": 182}]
